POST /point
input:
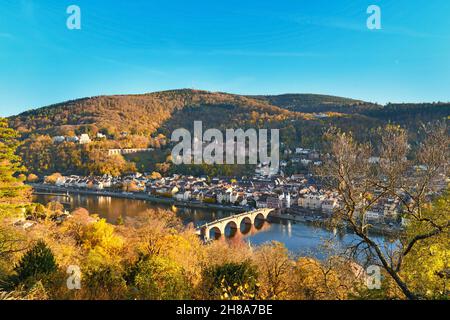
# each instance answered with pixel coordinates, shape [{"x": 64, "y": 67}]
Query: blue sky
[{"x": 246, "y": 47}]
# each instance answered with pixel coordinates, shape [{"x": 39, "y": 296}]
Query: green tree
[
  {"x": 427, "y": 267},
  {"x": 232, "y": 281},
  {"x": 12, "y": 190},
  {"x": 37, "y": 262},
  {"x": 105, "y": 282},
  {"x": 161, "y": 278}
]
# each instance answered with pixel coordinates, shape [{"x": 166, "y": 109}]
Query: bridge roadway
[{"x": 233, "y": 221}]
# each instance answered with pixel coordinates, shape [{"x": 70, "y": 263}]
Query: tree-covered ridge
[
  {"x": 404, "y": 112},
  {"x": 153, "y": 256},
  {"x": 311, "y": 102},
  {"x": 144, "y": 114},
  {"x": 147, "y": 120},
  {"x": 136, "y": 114}
]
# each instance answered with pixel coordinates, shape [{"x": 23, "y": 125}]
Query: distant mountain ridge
[
  {"x": 145, "y": 114},
  {"x": 308, "y": 102},
  {"x": 148, "y": 120}
]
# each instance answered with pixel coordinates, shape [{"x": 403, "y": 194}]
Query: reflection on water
[
  {"x": 112, "y": 208},
  {"x": 242, "y": 232},
  {"x": 299, "y": 238}
]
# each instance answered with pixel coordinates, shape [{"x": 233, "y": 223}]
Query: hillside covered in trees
[
  {"x": 147, "y": 120},
  {"x": 44, "y": 256}
]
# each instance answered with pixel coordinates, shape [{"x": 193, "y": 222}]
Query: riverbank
[
  {"x": 297, "y": 218},
  {"x": 323, "y": 223},
  {"x": 135, "y": 196},
  {"x": 299, "y": 237}
]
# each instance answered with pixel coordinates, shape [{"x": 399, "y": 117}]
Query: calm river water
[{"x": 299, "y": 238}]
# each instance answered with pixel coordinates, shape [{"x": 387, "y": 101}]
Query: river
[{"x": 299, "y": 238}]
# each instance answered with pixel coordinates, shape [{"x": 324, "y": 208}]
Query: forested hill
[
  {"x": 312, "y": 102},
  {"x": 147, "y": 120},
  {"x": 135, "y": 114},
  {"x": 144, "y": 114}
]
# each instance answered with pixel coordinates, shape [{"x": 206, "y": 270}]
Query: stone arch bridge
[{"x": 233, "y": 221}]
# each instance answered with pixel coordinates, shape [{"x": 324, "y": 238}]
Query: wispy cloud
[
  {"x": 361, "y": 27},
  {"x": 6, "y": 35},
  {"x": 230, "y": 52},
  {"x": 261, "y": 53}
]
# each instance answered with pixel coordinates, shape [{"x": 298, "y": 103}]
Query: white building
[
  {"x": 84, "y": 139},
  {"x": 59, "y": 139},
  {"x": 98, "y": 185},
  {"x": 244, "y": 202},
  {"x": 305, "y": 162},
  {"x": 60, "y": 181},
  {"x": 374, "y": 215},
  {"x": 81, "y": 183},
  {"x": 391, "y": 209},
  {"x": 234, "y": 196},
  {"x": 286, "y": 200},
  {"x": 328, "y": 205},
  {"x": 183, "y": 196},
  {"x": 223, "y": 197},
  {"x": 311, "y": 201}
]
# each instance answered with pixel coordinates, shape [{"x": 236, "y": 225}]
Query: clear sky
[{"x": 238, "y": 46}]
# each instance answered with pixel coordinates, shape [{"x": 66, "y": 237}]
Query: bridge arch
[
  {"x": 215, "y": 229},
  {"x": 214, "y": 232},
  {"x": 260, "y": 216},
  {"x": 232, "y": 226},
  {"x": 245, "y": 224}
]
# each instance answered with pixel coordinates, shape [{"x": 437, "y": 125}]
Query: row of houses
[
  {"x": 128, "y": 151},
  {"x": 327, "y": 203},
  {"x": 305, "y": 152},
  {"x": 102, "y": 183},
  {"x": 277, "y": 193},
  {"x": 385, "y": 209}
]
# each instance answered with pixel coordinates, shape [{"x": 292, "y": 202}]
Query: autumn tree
[
  {"x": 427, "y": 266},
  {"x": 232, "y": 281},
  {"x": 32, "y": 178},
  {"x": 275, "y": 268},
  {"x": 12, "y": 189},
  {"x": 155, "y": 175},
  {"x": 11, "y": 242},
  {"x": 335, "y": 278},
  {"x": 53, "y": 178},
  {"x": 367, "y": 176}
]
